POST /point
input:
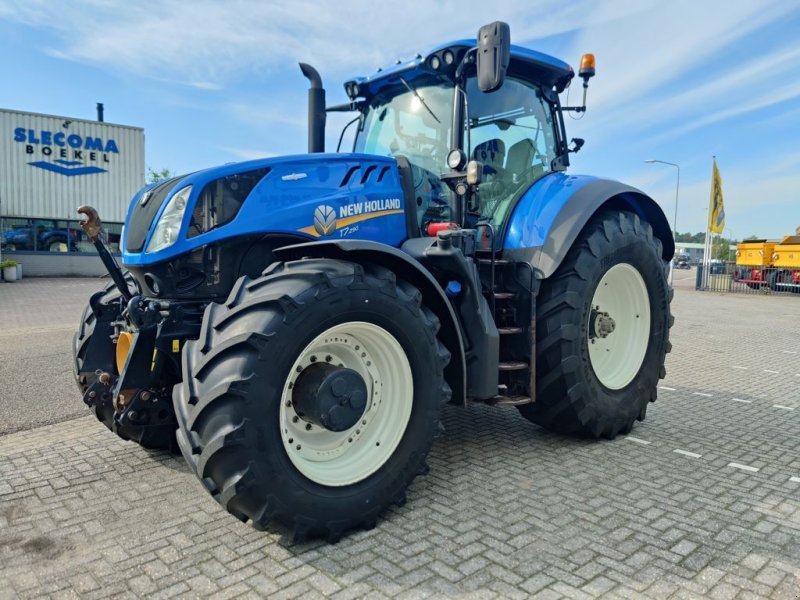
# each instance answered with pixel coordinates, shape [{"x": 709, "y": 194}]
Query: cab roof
[{"x": 525, "y": 64}]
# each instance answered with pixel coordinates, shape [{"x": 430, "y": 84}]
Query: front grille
[{"x": 220, "y": 200}]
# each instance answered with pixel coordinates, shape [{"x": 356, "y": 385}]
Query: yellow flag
[{"x": 716, "y": 212}]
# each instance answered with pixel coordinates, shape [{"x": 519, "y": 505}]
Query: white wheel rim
[
  {"x": 617, "y": 358},
  {"x": 338, "y": 458}
]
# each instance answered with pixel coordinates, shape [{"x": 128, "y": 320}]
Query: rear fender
[
  {"x": 551, "y": 214},
  {"x": 409, "y": 269}
]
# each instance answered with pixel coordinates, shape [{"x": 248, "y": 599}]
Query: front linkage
[{"x": 128, "y": 352}]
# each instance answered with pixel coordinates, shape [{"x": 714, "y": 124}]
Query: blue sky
[{"x": 216, "y": 82}]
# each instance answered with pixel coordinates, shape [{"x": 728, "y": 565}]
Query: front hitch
[{"x": 92, "y": 227}]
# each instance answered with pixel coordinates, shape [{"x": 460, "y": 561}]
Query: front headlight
[{"x": 168, "y": 226}]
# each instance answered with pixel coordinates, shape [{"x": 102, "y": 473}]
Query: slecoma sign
[{"x": 69, "y": 152}]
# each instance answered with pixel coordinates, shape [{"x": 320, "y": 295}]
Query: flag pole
[{"x": 708, "y": 244}]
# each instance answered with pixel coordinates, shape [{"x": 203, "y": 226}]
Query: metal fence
[{"x": 741, "y": 279}]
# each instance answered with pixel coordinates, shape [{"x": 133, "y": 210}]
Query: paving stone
[{"x": 508, "y": 510}]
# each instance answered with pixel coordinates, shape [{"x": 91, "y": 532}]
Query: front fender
[
  {"x": 409, "y": 269},
  {"x": 550, "y": 215}
]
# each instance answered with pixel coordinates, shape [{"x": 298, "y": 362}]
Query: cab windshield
[
  {"x": 414, "y": 124},
  {"x": 510, "y": 131}
]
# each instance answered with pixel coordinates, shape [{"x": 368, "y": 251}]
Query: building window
[{"x": 51, "y": 235}]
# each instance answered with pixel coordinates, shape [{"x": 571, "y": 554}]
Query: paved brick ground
[
  {"x": 38, "y": 318},
  {"x": 508, "y": 510},
  {"x": 36, "y": 303}
]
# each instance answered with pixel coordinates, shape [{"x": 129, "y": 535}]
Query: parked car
[
  {"x": 717, "y": 267},
  {"x": 682, "y": 263},
  {"x": 40, "y": 238}
]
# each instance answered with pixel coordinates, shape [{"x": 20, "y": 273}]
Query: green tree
[
  {"x": 721, "y": 249},
  {"x": 153, "y": 176},
  {"x": 691, "y": 238}
]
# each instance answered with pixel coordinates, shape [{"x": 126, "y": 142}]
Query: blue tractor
[{"x": 294, "y": 325}]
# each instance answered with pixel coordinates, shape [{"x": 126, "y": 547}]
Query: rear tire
[
  {"x": 591, "y": 384},
  {"x": 242, "y": 437},
  {"x": 780, "y": 281}
]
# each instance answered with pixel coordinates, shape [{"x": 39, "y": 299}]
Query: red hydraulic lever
[{"x": 434, "y": 228}]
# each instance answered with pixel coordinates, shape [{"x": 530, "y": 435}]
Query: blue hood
[{"x": 356, "y": 195}]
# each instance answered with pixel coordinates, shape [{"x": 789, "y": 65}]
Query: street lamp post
[{"x": 677, "y": 188}]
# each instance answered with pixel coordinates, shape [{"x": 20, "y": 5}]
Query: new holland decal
[{"x": 326, "y": 221}]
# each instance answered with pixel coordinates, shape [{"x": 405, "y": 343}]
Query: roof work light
[{"x": 587, "y": 67}]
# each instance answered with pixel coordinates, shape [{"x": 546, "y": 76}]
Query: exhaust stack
[
  {"x": 316, "y": 109},
  {"x": 100, "y": 111}
]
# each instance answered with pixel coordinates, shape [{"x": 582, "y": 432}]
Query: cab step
[
  {"x": 501, "y": 400},
  {"x": 513, "y": 365},
  {"x": 504, "y": 295},
  {"x": 509, "y": 400},
  {"x": 509, "y": 330}
]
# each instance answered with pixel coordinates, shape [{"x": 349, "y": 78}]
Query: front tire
[
  {"x": 602, "y": 330},
  {"x": 259, "y": 455},
  {"x": 56, "y": 246}
]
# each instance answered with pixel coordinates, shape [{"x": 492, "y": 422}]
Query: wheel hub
[
  {"x": 617, "y": 358},
  {"x": 329, "y": 396},
  {"x": 602, "y": 324}
]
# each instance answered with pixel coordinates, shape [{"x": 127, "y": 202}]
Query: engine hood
[{"x": 311, "y": 196}]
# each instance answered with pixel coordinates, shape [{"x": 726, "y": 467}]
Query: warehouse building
[{"x": 49, "y": 166}]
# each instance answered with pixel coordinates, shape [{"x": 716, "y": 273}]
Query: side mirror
[{"x": 494, "y": 52}]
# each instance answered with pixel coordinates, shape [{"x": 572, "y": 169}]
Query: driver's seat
[
  {"x": 492, "y": 154},
  {"x": 520, "y": 161}
]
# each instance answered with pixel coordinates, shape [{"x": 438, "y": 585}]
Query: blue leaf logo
[{"x": 325, "y": 220}]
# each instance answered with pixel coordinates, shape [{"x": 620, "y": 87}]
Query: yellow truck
[{"x": 762, "y": 263}]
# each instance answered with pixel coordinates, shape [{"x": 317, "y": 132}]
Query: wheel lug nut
[
  {"x": 295, "y": 419},
  {"x": 308, "y": 427}
]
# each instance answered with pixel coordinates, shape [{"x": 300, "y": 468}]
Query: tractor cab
[
  {"x": 512, "y": 133},
  {"x": 432, "y": 113}
]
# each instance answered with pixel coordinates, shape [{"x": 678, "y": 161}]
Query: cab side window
[{"x": 511, "y": 134}]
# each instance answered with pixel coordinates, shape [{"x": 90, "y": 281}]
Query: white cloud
[
  {"x": 646, "y": 57},
  {"x": 647, "y": 50},
  {"x": 764, "y": 100},
  {"x": 207, "y": 43}
]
